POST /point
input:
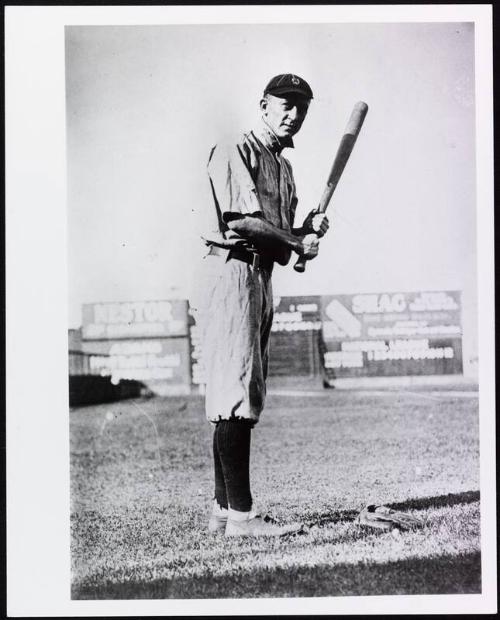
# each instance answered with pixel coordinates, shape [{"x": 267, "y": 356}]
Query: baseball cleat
[
  {"x": 217, "y": 523},
  {"x": 218, "y": 518},
  {"x": 260, "y": 526}
]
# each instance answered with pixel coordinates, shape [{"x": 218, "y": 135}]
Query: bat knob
[{"x": 300, "y": 265}]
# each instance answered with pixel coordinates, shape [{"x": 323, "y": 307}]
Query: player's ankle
[
  {"x": 219, "y": 509},
  {"x": 240, "y": 515}
]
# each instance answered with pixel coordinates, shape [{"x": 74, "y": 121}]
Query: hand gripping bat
[{"x": 344, "y": 151}]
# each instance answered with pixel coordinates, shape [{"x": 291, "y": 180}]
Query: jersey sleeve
[{"x": 230, "y": 172}]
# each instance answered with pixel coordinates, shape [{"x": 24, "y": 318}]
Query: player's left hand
[{"x": 316, "y": 223}]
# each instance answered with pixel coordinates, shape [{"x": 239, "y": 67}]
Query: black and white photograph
[{"x": 250, "y": 309}]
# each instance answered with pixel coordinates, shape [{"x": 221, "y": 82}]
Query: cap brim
[{"x": 289, "y": 90}]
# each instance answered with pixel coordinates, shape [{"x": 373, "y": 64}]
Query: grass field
[{"x": 141, "y": 485}]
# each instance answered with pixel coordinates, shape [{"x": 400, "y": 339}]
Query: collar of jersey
[{"x": 271, "y": 140}]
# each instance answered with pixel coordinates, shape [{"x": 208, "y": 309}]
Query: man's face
[{"x": 284, "y": 114}]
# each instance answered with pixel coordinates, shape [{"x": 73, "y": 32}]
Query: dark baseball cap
[{"x": 288, "y": 83}]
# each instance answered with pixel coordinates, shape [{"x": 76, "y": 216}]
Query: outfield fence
[{"x": 83, "y": 363}]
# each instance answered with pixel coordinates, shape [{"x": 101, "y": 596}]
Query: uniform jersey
[{"x": 247, "y": 177}]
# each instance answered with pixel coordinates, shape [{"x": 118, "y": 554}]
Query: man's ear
[{"x": 263, "y": 104}]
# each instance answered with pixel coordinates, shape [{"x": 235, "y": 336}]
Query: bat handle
[{"x": 300, "y": 265}]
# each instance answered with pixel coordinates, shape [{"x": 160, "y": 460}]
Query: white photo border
[{"x": 36, "y": 291}]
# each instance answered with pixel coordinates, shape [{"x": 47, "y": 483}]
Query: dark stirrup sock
[
  {"x": 220, "y": 485},
  {"x": 233, "y": 443}
]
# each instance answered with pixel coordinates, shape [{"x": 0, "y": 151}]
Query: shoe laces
[{"x": 268, "y": 519}]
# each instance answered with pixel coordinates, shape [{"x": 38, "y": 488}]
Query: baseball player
[{"x": 251, "y": 228}]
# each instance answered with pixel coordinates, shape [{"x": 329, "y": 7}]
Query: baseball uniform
[
  {"x": 249, "y": 177},
  {"x": 253, "y": 195}
]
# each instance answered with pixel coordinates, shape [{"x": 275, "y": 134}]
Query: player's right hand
[{"x": 309, "y": 246}]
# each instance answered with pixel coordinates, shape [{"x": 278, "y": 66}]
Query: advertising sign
[
  {"x": 146, "y": 360},
  {"x": 386, "y": 334},
  {"x": 294, "y": 337},
  {"x": 138, "y": 319},
  {"x": 197, "y": 368},
  {"x": 292, "y": 314}
]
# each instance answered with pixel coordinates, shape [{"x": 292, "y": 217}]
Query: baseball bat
[{"x": 343, "y": 153}]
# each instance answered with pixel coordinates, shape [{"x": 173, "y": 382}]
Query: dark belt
[{"x": 246, "y": 256}]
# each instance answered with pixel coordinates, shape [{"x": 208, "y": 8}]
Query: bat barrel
[
  {"x": 356, "y": 119},
  {"x": 343, "y": 153}
]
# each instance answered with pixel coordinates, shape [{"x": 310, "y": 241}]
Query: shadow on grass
[
  {"x": 446, "y": 574},
  {"x": 439, "y": 501},
  {"x": 421, "y": 503}
]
